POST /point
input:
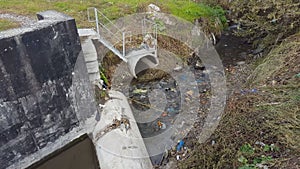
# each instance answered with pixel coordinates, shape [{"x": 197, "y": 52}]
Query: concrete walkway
[{"x": 120, "y": 148}]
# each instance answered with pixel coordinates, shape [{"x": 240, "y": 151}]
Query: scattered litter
[
  {"x": 177, "y": 68},
  {"x": 262, "y": 166},
  {"x": 101, "y": 106},
  {"x": 139, "y": 91},
  {"x": 268, "y": 104},
  {"x": 164, "y": 114},
  {"x": 173, "y": 90},
  {"x": 298, "y": 75},
  {"x": 249, "y": 91},
  {"x": 199, "y": 65},
  {"x": 170, "y": 110},
  {"x": 190, "y": 93},
  {"x": 260, "y": 143},
  {"x": 180, "y": 145},
  {"x": 177, "y": 157},
  {"x": 161, "y": 125},
  {"x": 213, "y": 142},
  {"x": 167, "y": 89}
]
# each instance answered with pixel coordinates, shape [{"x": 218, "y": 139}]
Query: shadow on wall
[{"x": 78, "y": 154}]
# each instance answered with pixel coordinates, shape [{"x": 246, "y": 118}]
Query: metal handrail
[
  {"x": 108, "y": 19},
  {"x": 113, "y": 34},
  {"x": 119, "y": 32}
]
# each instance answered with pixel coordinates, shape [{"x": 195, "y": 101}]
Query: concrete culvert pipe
[{"x": 141, "y": 62}]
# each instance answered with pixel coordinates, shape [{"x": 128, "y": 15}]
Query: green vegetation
[
  {"x": 113, "y": 9},
  {"x": 251, "y": 157},
  {"x": 280, "y": 66},
  {"x": 266, "y": 22},
  {"x": 6, "y": 24}
]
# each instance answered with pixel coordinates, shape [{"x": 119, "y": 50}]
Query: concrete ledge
[
  {"x": 119, "y": 148},
  {"x": 53, "y": 15}
]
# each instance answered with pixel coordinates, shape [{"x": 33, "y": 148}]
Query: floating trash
[
  {"x": 180, "y": 145},
  {"x": 170, "y": 110}
]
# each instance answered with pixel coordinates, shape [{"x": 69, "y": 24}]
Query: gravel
[{"x": 23, "y": 20}]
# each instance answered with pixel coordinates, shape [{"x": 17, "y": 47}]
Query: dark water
[
  {"x": 231, "y": 49},
  {"x": 168, "y": 86},
  {"x": 79, "y": 154}
]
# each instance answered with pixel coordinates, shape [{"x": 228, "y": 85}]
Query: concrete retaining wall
[{"x": 42, "y": 107}]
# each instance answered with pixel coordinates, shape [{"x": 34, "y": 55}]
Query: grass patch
[
  {"x": 280, "y": 66},
  {"x": 7, "y": 24},
  {"x": 249, "y": 120},
  {"x": 113, "y": 9}
]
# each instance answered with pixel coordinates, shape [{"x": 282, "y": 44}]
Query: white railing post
[
  {"x": 97, "y": 21},
  {"x": 123, "y": 33}
]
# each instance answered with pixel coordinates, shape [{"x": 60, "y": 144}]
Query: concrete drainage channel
[
  {"x": 117, "y": 145},
  {"x": 64, "y": 103},
  {"x": 137, "y": 61}
]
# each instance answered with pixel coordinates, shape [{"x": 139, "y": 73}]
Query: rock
[
  {"x": 177, "y": 68},
  {"x": 153, "y": 8},
  {"x": 240, "y": 63}
]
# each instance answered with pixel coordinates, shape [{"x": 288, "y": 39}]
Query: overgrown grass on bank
[
  {"x": 113, "y": 9},
  {"x": 259, "y": 128}
]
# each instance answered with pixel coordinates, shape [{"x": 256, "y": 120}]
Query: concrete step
[
  {"x": 87, "y": 32},
  {"x": 92, "y": 67},
  {"x": 94, "y": 76},
  {"x": 90, "y": 53}
]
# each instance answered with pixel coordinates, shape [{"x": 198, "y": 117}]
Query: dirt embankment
[
  {"x": 261, "y": 124},
  {"x": 264, "y": 114}
]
